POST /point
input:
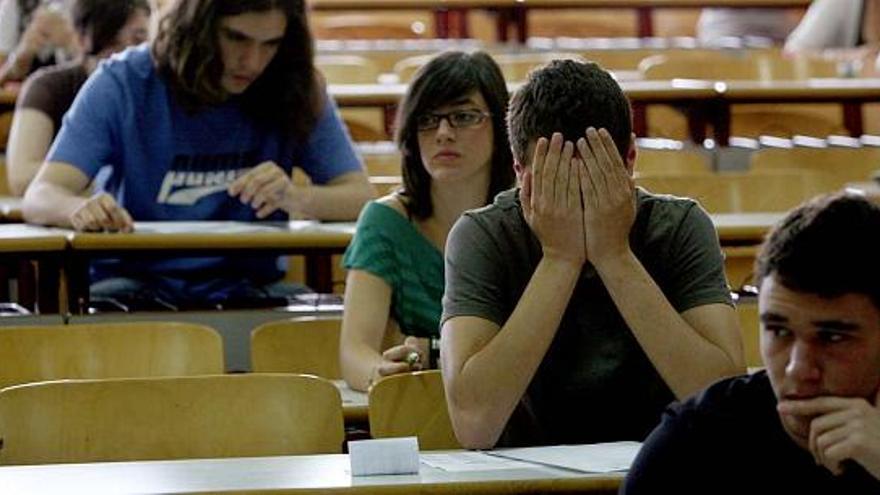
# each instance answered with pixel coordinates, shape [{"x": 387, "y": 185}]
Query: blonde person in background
[
  {"x": 104, "y": 27},
  {"x": 847, "y": 30},
  {"x": 452, "y": 135},
  {"x": 33, "y": 34},
  {"x": 717, "y": 26}
]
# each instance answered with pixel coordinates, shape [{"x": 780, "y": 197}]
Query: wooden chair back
[
  {"x": 750, "y": 329},
  {"x": 5, "y": 127},
  {"x": 382, "y": 162},
  {"x": 407, "y": 67},
  {"x": 169, "y": 418},
  {"x": 412, "y": 404},
  {"x": 762, "y": 65},
  {"x": 4, "y": 177},
  {"x": 299, "y": 345},
  {"x": 516, "y": 66},
  {"x": 385, "y": 25},
  {"x": 625, "y": 59},
  {"x": 829, "y": 168},
  {"x": 735, "y": 192},
  {"x": 347, "y": 69},
  {"x": 688, "y": 161},
  {"x": 108, "y": 350}
]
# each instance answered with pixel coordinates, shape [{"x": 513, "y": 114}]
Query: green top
[{"x": 388, "y": 246}]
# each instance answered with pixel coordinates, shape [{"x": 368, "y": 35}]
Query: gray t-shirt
[{"x": 595, "y": 383}]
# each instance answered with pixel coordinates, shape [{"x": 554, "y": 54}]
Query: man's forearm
[
  {"x": 686, "y": 360},
  {"x": 488, "y": 385}
]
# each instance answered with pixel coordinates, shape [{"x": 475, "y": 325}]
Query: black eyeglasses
[{"x": 457, "y": 119}]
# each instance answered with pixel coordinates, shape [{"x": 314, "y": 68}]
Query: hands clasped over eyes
[{"x": 578, "y": 198}]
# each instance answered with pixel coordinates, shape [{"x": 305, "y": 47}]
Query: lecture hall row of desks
[
  {"x": 707, "y": 102},
  {"x": 62, "y": 255},
  {"x": 450, "y": 16}
]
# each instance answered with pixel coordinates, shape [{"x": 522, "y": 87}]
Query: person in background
[
  {"x": 104, "y": 27},
  {"x": 452, "y": 136},
  {"x": 718, "y": 25},
  {"x": 577, "y": 307},
  {"x": 838, "y": 24},
  {"x": 34, "y": 34},
  {"x": 810, "y": 422},
  {"x": 204, "y": 123}
]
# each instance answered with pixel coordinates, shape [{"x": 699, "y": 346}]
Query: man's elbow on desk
[{"x": 476, "y": 424}]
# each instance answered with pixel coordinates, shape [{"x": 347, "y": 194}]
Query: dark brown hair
[
  {"x": 568, "y": 96},
  {"x": 101, "y": 20},
  {"x": 287, "y": 95},
  {"x": 827, "y": 246},
  {"x": 444, "y": 79}
]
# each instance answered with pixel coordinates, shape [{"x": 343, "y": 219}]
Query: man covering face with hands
[{"x": 578, "y": 306}]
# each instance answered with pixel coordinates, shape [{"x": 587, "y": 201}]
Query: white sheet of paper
[
  {"x": 471, "y": 461},
  {"x": 206, "y": 227},
  {"x": 384, "y": 456},
  {"x": 591, "y": 458}
]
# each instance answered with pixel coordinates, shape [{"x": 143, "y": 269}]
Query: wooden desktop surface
[
  {"x": 288, "y": 474},
  {"x": 10, "y": 209},
  {"x": 744, "y": 228},
  {"x": 202, "y": 236},
  {"x": 318, "y": 241},
  {"x": 355, "y": 404},
  {"x": 20, "y": 238}
]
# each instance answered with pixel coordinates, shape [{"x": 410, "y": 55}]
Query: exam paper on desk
[
  {"x": 589, "y": 458},
  {"x": 471, "y": 461},
  {"x": 593, "y": 458}
]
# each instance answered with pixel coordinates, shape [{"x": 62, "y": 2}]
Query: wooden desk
[
  {"x": 321, "y": 474},
  {"x": 317, "y": 241},
  {"x": 21, "y": 244},
  {"x": 744, "y": 229},
  {"x": 355, "y": 404},
  {"x": 741, "y": 236},
  {"x": 707, "y": 101},
  {"x": 7, "y": 99},
  {"x": 450, "y": 16},
  {"x": 10, "y": 209},
  {"x": 851, "y": 94},
  {"x": 641, "y": 93}
]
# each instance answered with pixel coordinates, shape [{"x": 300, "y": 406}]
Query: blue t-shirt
[{"x": 168, "y": 164}]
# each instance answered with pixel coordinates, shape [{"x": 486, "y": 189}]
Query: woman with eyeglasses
[{"x": 452, "y": 135}]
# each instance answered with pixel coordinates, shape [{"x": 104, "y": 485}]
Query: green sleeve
[{"x": 371, "y": 249}]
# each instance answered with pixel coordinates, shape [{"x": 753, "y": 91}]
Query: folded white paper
[{"x": 384, "y": 456}]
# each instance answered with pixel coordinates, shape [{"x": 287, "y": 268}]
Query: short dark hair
[
  {"x": 568, "y": 96},
  {"x": 444, "y": 79},
  {"x": 828, "y": 246},
  {"x": 287, "y": 95},
  {"x": 101, "y": 20}
]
